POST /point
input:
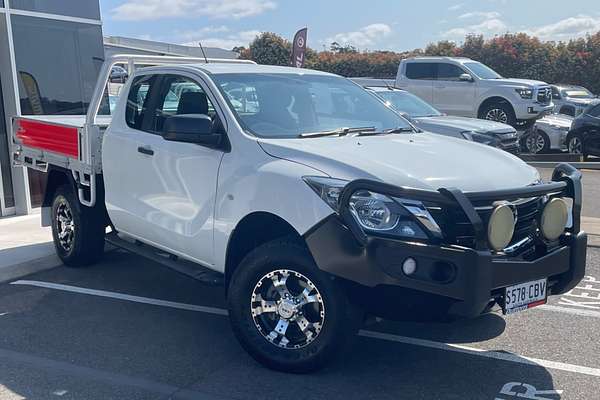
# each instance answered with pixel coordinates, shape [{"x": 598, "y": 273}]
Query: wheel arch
[
  {"x": 251, "y": 231},
  {"x": 493, "y": 100}
]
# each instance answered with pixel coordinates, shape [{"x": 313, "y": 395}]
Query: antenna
[{"x": 203, "y": 53}]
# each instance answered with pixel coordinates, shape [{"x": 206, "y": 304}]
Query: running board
[{"x": 185, "y": 267}]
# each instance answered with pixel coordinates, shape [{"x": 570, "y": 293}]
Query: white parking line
[
  {"x": 497, "y": 355},
  {"x": 566, "y": 310}
]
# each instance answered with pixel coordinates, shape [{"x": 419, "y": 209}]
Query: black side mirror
[{"x": 191, "y": 128}]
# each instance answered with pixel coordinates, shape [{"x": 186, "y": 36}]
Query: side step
[{"x": 185, "y": 267}]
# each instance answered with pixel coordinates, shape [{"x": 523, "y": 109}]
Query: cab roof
[{"x": 225, "y": 68}]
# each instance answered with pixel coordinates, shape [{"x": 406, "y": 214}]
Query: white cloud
[
  {"x": 567, "y": 28},
  {"x": 480, "y": 15},
  {"x": 364, "y": 37},
  {"x": 139, "y": 10},
  {"x": 456, "y": 7},
  {"x": 209, "y": 36},
  {"x": 492, "y": 26}
]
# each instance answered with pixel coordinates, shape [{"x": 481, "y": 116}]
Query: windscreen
[
  {"x": 288, "y": 105},
  {"x": 410, "y": 104},
  {"x": 578, "y": 93},
  {"x": 482, "y": 71}
]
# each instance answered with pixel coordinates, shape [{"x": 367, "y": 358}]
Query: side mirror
[
  {"x": 191, "y": 128},
  {"x": 465, "y": 78}
]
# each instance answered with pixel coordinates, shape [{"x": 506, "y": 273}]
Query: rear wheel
[
  {"x": 285, "y": 312},
  {"x": 78, "y": 231},
  {"x": 537, "y": 142}
]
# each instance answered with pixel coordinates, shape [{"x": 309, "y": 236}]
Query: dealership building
[{"x": 50, "y": 54}]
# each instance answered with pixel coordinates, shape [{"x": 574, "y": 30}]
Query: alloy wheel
[
  {"x": 575, "y": 145},
  {"x": 497, "y": 114},
  {"x": 287, "y": 309},
  {"x": 535, "y": 142},
  {"x": 65, "y": 225}
]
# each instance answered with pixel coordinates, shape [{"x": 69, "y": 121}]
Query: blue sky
[{"x": 368, "y": 25}]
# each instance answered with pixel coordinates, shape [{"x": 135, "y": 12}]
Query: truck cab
[
  {"x": 311, "y": 201},
  {"x": 464, "y": 87}
]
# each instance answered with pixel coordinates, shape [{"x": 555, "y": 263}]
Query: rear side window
[
  {"x": 418, "y": 70},
  {"x": 137, "y": 100},
  {"x": 449, "y": 72}
]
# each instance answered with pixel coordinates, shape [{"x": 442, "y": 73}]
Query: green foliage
[{"x": 512, "y": 55}]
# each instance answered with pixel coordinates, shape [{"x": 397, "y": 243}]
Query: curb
[{"x": 15, "y": 271}]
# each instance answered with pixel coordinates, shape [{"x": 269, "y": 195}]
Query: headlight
[
  {"x": 479, "y": 138},
  {"x": 377, "y": 213},
  {"x": 525, "y": 93}
]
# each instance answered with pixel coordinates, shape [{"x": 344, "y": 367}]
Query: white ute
[
  {"x": 467, "y": 88},
  {"x": 310, "y": 200}
]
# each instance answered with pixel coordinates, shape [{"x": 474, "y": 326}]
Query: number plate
[{"x": 525, "y": 295}]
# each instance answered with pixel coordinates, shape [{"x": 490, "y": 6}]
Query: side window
[
  {"x": 449, "y": 72},
  {"x": 555, "y": 93},
  {"x": 180, "y": 95},
  {"x": 419, "y": 70},
  {"x": 137, "y": 100},
  {"x": 595, "y": 111}
]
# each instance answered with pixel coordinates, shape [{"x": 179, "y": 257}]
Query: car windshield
[
  {"x": 410, "y": 104},
  {"x": 289, "y": 105},
  {"x": 482, "y": 71},
  {"x": 578, "y": 93}
]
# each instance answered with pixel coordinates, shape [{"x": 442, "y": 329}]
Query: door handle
[{"x": 145, "y": 150}]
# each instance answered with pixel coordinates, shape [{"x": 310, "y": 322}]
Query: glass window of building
[
  {"x": 72, "y": 8},
  {"x": 66, "y": 84}
]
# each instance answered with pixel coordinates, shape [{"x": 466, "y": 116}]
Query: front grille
[
  {"x": 458, "y": 230},
  {"x": 544, "y": 95}
]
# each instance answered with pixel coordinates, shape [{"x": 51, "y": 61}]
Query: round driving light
[
  {"x": 501, "y": 227},
  {"x": 554, "y": 218},
  {"x": 409, "y": 266}
]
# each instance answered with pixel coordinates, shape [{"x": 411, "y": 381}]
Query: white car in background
[
  {"x": 570, "y": 99},
  {"x": 548, "y": 133},
  {"x": 467, "y": 88}
]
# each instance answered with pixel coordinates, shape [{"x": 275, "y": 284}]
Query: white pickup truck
[
  {"x": 307, "y": 197},
  {"x": 467, "y": 88}
]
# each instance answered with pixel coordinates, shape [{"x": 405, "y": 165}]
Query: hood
[
  {"x": 462, "y": 124},
  {"x": 520, "y": 82},
  {"x": 557, "y": 120},
  {"x": 417, "y": 160}
]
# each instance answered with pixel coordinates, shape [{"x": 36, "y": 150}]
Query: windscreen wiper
[
  {"x": 337, "y": 132},
  {"x": 400, "y": 129}
]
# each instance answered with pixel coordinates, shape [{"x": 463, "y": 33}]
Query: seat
[{"x": 193, "y": 103}]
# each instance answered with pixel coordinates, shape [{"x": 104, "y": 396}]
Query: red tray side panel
[{"x": 56, "y": 138}]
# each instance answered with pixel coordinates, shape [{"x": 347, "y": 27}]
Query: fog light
[
  {"x": 409, "y": 266},
  {"x": 554, "y": 218},
  {"x": 501, "y": 227}
]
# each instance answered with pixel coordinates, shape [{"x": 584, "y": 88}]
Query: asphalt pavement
[{"x": 127, "y": 328}]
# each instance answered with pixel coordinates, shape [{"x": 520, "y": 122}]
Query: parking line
[
  {"x": 566, "y": 310},
  {"x": 497, "y": 355}
]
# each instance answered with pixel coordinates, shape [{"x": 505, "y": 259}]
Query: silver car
[
  {"x": 547, "y": 134},
  {"x": 571, "y": 100}
]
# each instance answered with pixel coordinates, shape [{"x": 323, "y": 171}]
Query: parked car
[
  {"x": 548, "y": 133},
  {"x": 463, "y": 87},
  {"x": 118, "y": 74},
  {"x": 426, "y": 117},
  {"x": 321, "y": 205},
  {"x": 584, "y": 137},
  {"x": 570, "y": 99}
]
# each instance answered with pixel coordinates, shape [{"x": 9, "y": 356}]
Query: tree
[{"x": 271, "y": 49}]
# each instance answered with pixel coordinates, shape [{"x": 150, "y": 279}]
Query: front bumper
[
  {"x": 525, "y": 110},
  {"x": 452, "y": 281}
]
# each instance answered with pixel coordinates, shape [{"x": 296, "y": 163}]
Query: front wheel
[
  {"x": 499, "y": 112},
  {"x": 575, "y": 144},
  {"x": 78, "y": 231},
  {"x": 286, "y": 313},
  {"x": 537, "y": 142}
]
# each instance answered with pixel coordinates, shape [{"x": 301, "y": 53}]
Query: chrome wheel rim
[
  {"x": 287, "y": 309},
  {"x": 65, "y": 226},
  {"x": 575, "y": 145},
  {"x": 535, "y": 143},
  {"x": 497, "y": 114}
]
